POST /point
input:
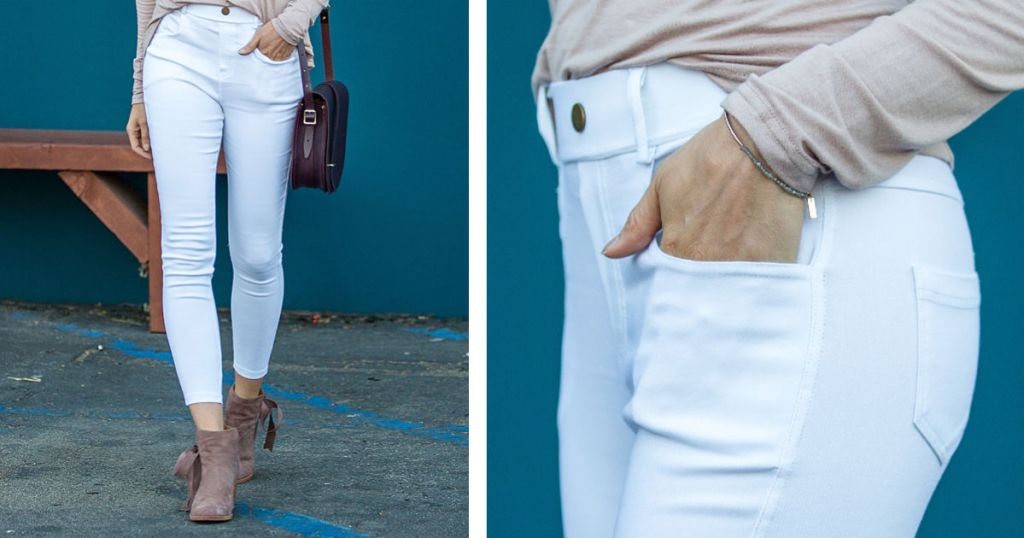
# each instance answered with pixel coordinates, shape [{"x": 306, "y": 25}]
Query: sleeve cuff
[
  {"x": 283, "y": 31},
  {"x": 137, "y": 81},
  {"x": 777, "y": 148}
]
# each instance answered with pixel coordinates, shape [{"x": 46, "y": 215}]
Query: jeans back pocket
[{"x": 948, "y": 333}]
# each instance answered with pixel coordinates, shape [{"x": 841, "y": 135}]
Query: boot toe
[{"x": 210, "y": 510}]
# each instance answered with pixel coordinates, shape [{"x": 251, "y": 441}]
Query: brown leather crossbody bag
[{"x": 318, "y": 147}]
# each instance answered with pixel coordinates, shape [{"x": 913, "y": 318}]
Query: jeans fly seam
[{"x": 615, "y": 269}]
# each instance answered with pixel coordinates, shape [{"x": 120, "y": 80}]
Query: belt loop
[
  {"x": 546, "y": 122},
  {"x": 634, "y": 87}
]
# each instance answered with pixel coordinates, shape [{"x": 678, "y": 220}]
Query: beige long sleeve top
[
  {"x": 848, "y": 89},
  {"x": 290, "y": 18}
]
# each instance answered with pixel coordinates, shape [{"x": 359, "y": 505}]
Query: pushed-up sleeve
[
  {"x": 143, "y": 14},
  {"x": 292, "y": 23},
  {"x": 862, "y": 107}
]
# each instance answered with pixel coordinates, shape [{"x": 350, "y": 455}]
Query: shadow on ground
[{"x": 374, "y": 440}]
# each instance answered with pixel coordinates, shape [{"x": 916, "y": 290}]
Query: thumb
[
  {"x": 641, "y": 225},
  {"x": 251, "y": 44}
]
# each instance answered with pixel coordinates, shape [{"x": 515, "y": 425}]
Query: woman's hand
[
  {"x": 270, "y": 43},
  {"x": 138, "y": 130},
  {"x": 714, "y": 205}
]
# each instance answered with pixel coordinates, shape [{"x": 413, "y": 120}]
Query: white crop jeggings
[
  {"x": 199, "y": 91},
  {"x": 734, "y": 398}
]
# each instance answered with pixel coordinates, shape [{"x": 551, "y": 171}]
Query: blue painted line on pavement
[
  {"x": 135, "y": 415},
  {"x": 170, "y": 417},
  {"x": 451, "y": 434},
  {"x": 446, "y": 334},
  {"x": 298, "y": 523},
  {"x": 74, "y": 328},
  {"x": 122, "y": 414},
  {"x": 135, "y": 350},
  {"x": 319, "y": 402},
  {"x": 32, "y": 411},
  {"x": 51, "y": 412}
]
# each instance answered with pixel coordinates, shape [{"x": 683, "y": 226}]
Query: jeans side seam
[{"x": 812, "y": 358}]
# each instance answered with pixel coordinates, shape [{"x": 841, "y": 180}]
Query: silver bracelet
[{"x": 763, "y": 168}]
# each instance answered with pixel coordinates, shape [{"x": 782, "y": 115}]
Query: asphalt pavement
[{"x": 374, "y": 440}]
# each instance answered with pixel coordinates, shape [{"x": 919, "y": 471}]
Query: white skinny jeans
[
  {"x": 199, "y": 92},
  {"x": 734, "y": 398}
]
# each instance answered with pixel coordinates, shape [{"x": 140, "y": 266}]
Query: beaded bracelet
[{"x": 771, "y": 175}]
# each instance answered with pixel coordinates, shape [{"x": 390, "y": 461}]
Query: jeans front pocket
[
  {"x": 712, "y": 267},
  {"x": 725, "y": 360},
  {"x": 170, "y": 24},
  {"x": 293, "y": 57},
  {"x": 948, "y": 333}
]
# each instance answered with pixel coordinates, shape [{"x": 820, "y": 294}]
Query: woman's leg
[
  {"x": 183, "y": 101},
  {"x": 594, "y": 441},
  {"x": 185, "y": 123},
  {"x": 818, "y": 399},
  {"x": 260, "y": 104}
]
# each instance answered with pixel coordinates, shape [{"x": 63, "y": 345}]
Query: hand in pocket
[
  {"x": 269, "y": 42},
  {"x": 713, "y": 205}
]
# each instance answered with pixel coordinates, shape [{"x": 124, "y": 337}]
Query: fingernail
[{"x": 610, "y": 243}]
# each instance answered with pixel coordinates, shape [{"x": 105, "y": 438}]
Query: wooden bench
[{"x": 90, "y": 163}]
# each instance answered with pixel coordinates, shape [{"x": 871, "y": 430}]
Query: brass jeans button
[
  {"x": 225, "y": 10},
  {"x": 579, "y": 117}
]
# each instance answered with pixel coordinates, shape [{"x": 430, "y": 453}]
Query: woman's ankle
[
  {"x": 246, "y": 388},
  {"x": 207, "y": 416}
]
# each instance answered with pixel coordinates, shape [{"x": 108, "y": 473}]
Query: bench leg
[
  {"x": 133, "y": 220},
  {"x": 156, "y": 270}
]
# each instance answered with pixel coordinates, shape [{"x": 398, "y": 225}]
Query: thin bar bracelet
[{"x": 765, "y": 171}]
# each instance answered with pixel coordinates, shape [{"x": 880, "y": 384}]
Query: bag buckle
[{"x": 309, "y": 116}]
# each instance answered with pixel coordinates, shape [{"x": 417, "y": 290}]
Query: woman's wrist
[
  {"x": 741, "y": 133},
  {"x": 750, "y": 150}
]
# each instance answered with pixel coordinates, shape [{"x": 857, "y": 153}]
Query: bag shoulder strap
[
  {"x": 325, "y": 35},
  {"x": 307, "y": 86}
]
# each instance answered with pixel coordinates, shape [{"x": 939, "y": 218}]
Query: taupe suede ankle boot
[
  {"x": 210, "y": 467},
  {"x": 246, "y": 415}
]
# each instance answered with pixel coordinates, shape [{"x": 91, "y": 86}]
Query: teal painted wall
[
  {"x": 981, "y": 493},
  {"x": 392, "y": 239}
]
